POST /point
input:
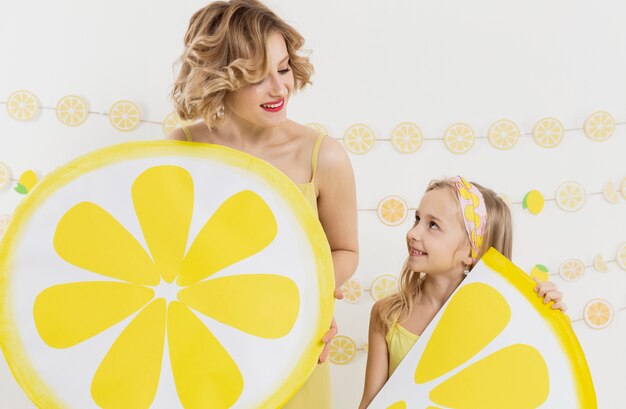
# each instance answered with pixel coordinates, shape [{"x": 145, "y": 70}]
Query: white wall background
[{"x": 380, "y": 63}]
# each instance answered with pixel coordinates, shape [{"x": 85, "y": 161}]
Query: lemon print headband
[{"x": 474, "y": 212}]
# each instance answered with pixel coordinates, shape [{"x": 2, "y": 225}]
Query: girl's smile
[{"x": 413, "y": 252}]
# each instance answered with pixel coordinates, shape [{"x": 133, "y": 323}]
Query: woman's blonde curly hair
[{"x": 225, "y": 50}]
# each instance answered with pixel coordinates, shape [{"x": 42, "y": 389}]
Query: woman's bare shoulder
[
  {"x": 176, "y": 135},
  {"x": 333, "y": 160},
  {"x": 197, "y": 131}
]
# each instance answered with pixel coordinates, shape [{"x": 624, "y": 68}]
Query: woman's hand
[
  {"x": 327, "y": 338},
  {"x": 549, "y": 291},
  {"x": 338, "y": 294},
  {"x": 331, "y": 332}
]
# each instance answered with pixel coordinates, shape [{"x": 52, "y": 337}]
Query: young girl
[
  {"x": 239, "y": 69},
  {"x": 442, "y": 249}
]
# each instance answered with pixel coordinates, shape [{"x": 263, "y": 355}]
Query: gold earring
[{"x": 467, "y": 270}]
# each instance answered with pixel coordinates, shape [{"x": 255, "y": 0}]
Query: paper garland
[
  {"x": 569, "y": 196},
  {"x": 393, "y": 210},
  {"x": 406, "y": 137},
  {"x": 381, "y": 287}
]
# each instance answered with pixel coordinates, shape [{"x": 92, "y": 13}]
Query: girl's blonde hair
[
  {"x": 498, "y": 234},
  {"x": 225, "y": 50}
]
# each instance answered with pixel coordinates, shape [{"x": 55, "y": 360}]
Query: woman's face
[{"x": 265, "y": 104}]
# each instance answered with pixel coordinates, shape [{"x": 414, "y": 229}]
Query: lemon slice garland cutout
[
  {"x": 503, "y": 134},
  {"x": 406, "y": 137},
  {"x": 5, "y": 175},
  {"x": 164, "y": 274},
  {"x": 610, "y": 193},
  {"x": 124, "y": 116},
  {"x": 392, "y": 210},
  {"x": 620, "y": 257},
  {"x": 599, "y": 126},
  {"x": 383, "y": 286},
  {"x": 318, "y": 127},
  {"x": 459, "y": 138},
  {"x": 342, "y": 350},
  {"x": 352, "y": 291},
  {"x": 493, "y": 345},
  {"x": 570, "y": 196},
  {"x": 598, "y": 314},
  {"x": 22, "y": 105},
  {"x": 359, "y": 139},
  {"x": 548, "y": 132},
  {"x": 72, "y": 110},
  {"x": 571, "y": 269}
]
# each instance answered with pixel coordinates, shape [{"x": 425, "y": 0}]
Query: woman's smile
[{"x": 274, "y": 106}]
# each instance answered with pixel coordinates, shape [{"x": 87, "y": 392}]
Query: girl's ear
[{"x": 469, "y": 261}]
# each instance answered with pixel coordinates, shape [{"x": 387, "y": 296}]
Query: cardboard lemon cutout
[
  {"x": 494, "y": 345},
  {"x": 164, "y": 275}
]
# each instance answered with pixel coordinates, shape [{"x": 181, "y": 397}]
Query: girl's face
[
  {"x": 265, "y": 104},
  {"x": 437, "y": 242}
]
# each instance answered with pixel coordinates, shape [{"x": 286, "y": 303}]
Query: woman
[{"x": 239, "y": 70}]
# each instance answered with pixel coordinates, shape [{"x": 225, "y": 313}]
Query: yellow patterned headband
[{"x": 474, "y": 212}]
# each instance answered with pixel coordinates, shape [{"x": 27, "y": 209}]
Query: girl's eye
[
  {"x": 434, "y": 226},
  {"x": 417, "y": 219}
]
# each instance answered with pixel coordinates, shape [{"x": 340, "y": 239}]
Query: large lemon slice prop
[
  {"x": 494, "y": 345},
  {"x": 164, "y": 275}
]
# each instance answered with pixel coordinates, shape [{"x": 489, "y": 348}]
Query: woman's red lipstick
[{"x": 274, "y": 106}]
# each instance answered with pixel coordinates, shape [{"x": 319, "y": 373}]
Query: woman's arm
[
  {"x": 377, "y": 369},
  {"x": 337, "y": 210}
]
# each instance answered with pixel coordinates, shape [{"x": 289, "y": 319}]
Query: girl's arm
[
  {"x": 336, "y": 204},
  {"x": 377, "y": 370}
]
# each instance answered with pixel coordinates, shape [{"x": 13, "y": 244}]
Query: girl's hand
[
  {"x": 327, "y": 338},
  {"x": 549, "y": 291}
]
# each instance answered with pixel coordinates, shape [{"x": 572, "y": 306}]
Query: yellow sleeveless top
[
  {"x": 399, "y": 342},
  {"x": 316, "y": 392}
]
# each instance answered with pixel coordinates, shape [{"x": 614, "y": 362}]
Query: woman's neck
[{"x": 246, "y": 136}]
